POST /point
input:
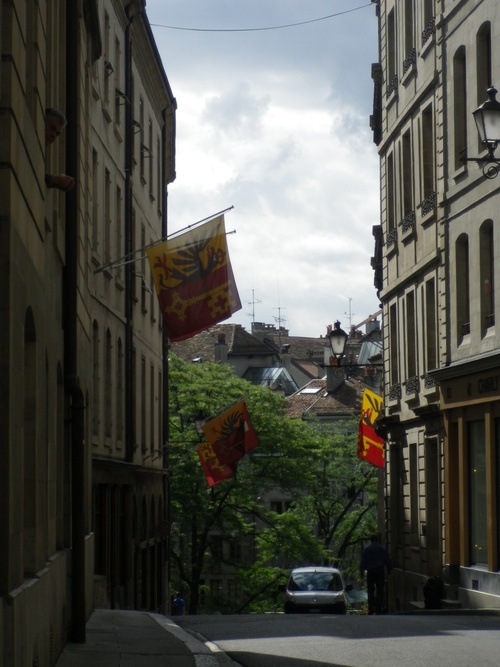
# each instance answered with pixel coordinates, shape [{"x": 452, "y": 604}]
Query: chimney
[
  {"x": 373, "y": 327},
  {"x": 334, "y": 378},
  {"x": 221, "y": 349}
]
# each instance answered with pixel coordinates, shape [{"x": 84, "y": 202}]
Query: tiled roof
[
  {"x": 314, "y": 399},
  {"x": 299, "y": 347},
  {"x": 238, "y": 341}
]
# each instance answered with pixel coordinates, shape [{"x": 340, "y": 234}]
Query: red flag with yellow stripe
[
  {"x": 370, "y": 445},
  {"x": 231, "y": 433},
  {"x": 194, "y": 280},
  {"x": 215, "y": 471}
]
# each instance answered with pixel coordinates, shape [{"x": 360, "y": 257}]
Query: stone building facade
[
  {"x": 436, "y": 278},
  {"x": 82, "y": 466}
]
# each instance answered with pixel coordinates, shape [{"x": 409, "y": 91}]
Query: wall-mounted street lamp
[
  {"x": 337, "y": 338},
  {"x": 341, "y": 365},
  {"x": 487, "y": 117}
]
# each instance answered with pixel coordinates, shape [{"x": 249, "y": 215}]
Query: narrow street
[{"x": 316, "y": 640}]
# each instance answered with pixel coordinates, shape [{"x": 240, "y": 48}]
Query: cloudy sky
[{"x": 275, "y": 123}]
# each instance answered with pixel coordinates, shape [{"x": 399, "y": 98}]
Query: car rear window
[{"x": 315, "y": 581}]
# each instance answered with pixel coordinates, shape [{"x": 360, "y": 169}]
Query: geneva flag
[
  {"x": 370, "y": 445},
  {"x": 231, "y": 433},
  {"x": 194, "y": 280},
  {"x": 214, "y": 470}
]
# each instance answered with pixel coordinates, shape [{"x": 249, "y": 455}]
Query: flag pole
[{"x": 130, "y": 258}]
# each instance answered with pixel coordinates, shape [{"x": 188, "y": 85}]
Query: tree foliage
[{"x": 330, "y": 491}]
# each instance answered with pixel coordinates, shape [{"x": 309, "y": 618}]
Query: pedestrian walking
[{"x": 376, "y": 562}]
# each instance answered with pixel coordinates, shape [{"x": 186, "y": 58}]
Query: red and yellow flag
[
  {"x": 194, "y": 280},
  {"x": 370, "y": 445},
  {"x": 214, "y": 470},
  {"x": 231, "y": 433}
]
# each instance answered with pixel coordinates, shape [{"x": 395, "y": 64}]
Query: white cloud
[{"x": 277, "y": 124}]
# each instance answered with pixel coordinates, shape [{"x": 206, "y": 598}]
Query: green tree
[
  {"x": 330, "y": 491},
  {"x": 198, "y": 512}
]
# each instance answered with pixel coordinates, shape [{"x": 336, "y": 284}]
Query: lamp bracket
[{"x": 489, "y": 165}]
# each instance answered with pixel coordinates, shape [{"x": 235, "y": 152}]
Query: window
[
  {"x": 277, "y": 506},
  {"x": 144, "y": 286},
  {"x": 119, "y": 99},
  {"x": 32, "y": 57},
  {"x": 396, "y": 508},
  {"x": 32, "y": 478},
  {"x": 428, "y": 156},
  {"x": 411, "y": 346},
  {"x": 497, "y": 486},
  {"x": 158, "y": 176},
  {"x": 143, "y": 403},
  {"x": 118, "y": 229},
  {"x": 478, "y": 534},
  {"x": 430, "y": 326},
  {"x": 459, "y": 106},
  {"x": 153, "y": 300},
  {"x": 483, "y": 65},
  {"x": 107, "y": 215},
  {"x": 393, "y": 345},
  {"x": 108, "y": 68},
  {"x": 141, "y": 135},
  {"x": 133, "y": 246},
  {"x": 160, "y": 411},
  {"x": 409, "y": 39},
  {"x": 406, "y": 171},
  {"x": 95, "y": 201},
  {"x": 152, "y": 408},
  {"x": 433, "y": 497},
  {"x": 428, "y": 12},
  {"x": 483, "y": 51},
  {"x": 95, "y": 380},
  {"x": 119, "y": 391},
  {"x": 392, "y": 79},
  {"x": 391, "y": 202},
  {"x": 149, "y": 155},
  {"x": 486, "y": 264},
  {"x": 108, "y": 392},
  {"x": 235, "y": 550},
  {"x": 462, "y": 283},
  {"x": 414, "y": 492}
]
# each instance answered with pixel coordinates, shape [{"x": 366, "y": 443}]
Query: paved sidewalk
[{"x": 135, "y": 638}]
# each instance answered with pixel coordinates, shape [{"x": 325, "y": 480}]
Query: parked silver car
[{"x": 315, "y": 588}]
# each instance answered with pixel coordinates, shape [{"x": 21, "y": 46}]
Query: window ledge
[
  {"x": 410, "y": 73},
  {"x": 460, "y": 172},
  {"x": 465, "y": 340},
  {"x": 489, "y": 332},
  {"x": 106, "y": 113},
  {"x": 427, "y": 46}
]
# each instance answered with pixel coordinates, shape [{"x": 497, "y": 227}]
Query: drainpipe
[
  {"x": 165, "y": 424},
  {"x": 129, "y": 247},
  {"x": 74, "y": 394}
]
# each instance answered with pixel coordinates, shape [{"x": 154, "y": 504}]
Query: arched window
[
  {"x": 459, "y": 106},
  {"x": 483, "y": 61},
  {"x": 483, "y": 65}
]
